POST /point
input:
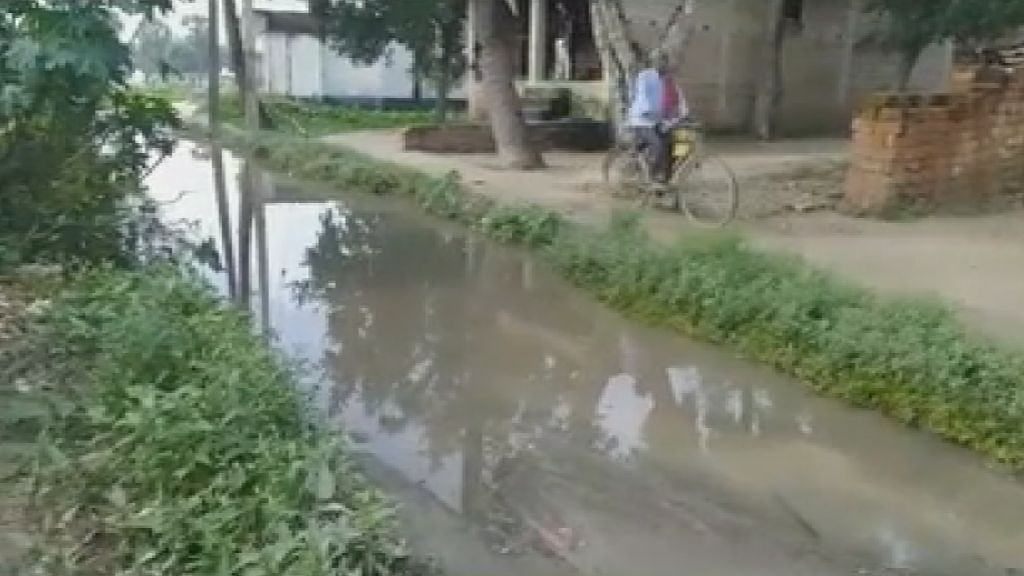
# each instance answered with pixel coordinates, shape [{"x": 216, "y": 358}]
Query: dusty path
[{"x": 975, "y": 264}]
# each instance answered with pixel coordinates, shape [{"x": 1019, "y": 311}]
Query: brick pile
[{"x": 927, "y": 151}]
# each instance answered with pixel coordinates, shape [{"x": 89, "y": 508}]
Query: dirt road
[{"x": 971, "y": 263}]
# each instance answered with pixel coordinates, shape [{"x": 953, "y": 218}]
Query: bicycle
[{"x": 701, "y": 185}]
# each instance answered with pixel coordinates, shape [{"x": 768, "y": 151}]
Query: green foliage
[
  {"x": 186, "y": 449},
  {"x": 191, "y": 55},
  {"x": 910, "y": 26},
  {"x": 313, "y": 119},
  {"x": 906, "y": 358},
  {"x": 529, "y": 225},
  {"x": 432, "y": 30},
  {"x": 74, "y": 141},
  {"x": 152, "y": 47}
]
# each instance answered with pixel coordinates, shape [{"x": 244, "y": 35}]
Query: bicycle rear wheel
[{"x": 707, "y": 192}]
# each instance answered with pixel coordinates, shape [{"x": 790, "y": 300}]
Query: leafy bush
[
  {"x": 187, "y": 453},
  {"x": 907, "y": 358},
  {"x": 74, "y": 141}
]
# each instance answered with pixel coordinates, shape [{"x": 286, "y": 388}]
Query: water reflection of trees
[{"x": 439, "y": 331}]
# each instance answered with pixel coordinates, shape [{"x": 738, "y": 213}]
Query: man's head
[{"x": 659, "y": 60}]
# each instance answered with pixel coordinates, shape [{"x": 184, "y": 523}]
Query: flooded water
[{"x": 526, "y": 429}]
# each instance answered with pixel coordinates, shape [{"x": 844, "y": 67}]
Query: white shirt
[{"x": 645, "y": 110}]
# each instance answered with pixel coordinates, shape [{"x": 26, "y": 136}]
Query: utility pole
[
  {"x": 251, "y": 99},
  {"x": 213, "y": 69}
]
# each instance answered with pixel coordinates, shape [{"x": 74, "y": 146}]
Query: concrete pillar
[
  {"x": 538, "y": 40},
  {"x": 474, "y": 90}
]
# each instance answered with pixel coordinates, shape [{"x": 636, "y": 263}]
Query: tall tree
[
  {"x": 910, "y": 26},
  {"x": 191, "y": 53},
  {"x": 74, "y": 139},
  {"x": 432, "y": 30},
  {"x": 496, "y": 27},
  {"x": 239, "y": 26},
  {"x": 623, "y": 53},
  {"x": 151, "y": 47}
]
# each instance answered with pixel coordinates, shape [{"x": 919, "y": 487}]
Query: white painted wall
[
  {"x": 300, "y": 66},
  {"x": 306, "y": 67},
  {"x": 275, "y": 75}
]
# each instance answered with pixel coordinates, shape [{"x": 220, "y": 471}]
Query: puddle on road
[{"x": 527, "y": 429}]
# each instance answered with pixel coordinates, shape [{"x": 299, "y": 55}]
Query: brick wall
[{"x": 928, "y": 151}]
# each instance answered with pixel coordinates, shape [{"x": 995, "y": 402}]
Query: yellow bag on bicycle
[{"x": 682, "y": 142}]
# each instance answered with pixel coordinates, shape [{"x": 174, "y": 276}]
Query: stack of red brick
[{"x": 933, "y": 150}]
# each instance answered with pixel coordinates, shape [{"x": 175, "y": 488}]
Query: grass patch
[
  {"x": 183, "y": 449},
  {"x": 171, "y": 91},
  {"x": 312, "y": 119},
  {"x": 907, "y": 358}
]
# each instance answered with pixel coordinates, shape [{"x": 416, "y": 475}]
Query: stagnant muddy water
[{"x": 526, "y": 429}]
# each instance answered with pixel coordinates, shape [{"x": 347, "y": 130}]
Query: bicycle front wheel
[{"x": 708, "y": 192}]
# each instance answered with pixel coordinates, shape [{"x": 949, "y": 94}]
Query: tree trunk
[
  {"x": 251, "y": 97},
  {"x": 262, "y": 257},
  {"x": 769, "y": 92},
  {"x": 449, "y": 38},
  {"x": 213, "y": 69},
  {"x": 243, "y": 66},
  {"x": 497, "y": 27},
  {"x": 908, "y": 60},
  {"x": 417, "y": 83},
  {"x": 233, "y": 27},
  {"x": 245, "y": 218},
  {"x": 623, "y": 56}
]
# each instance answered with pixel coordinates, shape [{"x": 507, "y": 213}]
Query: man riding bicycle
[{"x": 657, "y": 107}]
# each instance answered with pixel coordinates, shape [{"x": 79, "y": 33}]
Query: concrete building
[
  {"x": 828, "y": 62},
  {"x": 294, "y": 62}
]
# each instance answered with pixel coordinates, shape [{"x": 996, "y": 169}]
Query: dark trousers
[{"x": 655, "y": 144}]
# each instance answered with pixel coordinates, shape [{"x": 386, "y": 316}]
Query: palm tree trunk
[{"x": 497, "y": 27}]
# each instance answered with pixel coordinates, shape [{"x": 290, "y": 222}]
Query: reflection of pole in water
[
  {"x": 261, "y": 252},
  {"x": 245, "y": 214},
  {"x": 472, "y": 468},
  {"x": 219, "y": 182},
  {"x": 224, "y": 216}
]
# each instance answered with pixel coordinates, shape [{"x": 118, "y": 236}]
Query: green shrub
[
  {"x": 907, "y": 358},
  {"x": 187, "y": 452},
  {"x": 74, "y": 140}
]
